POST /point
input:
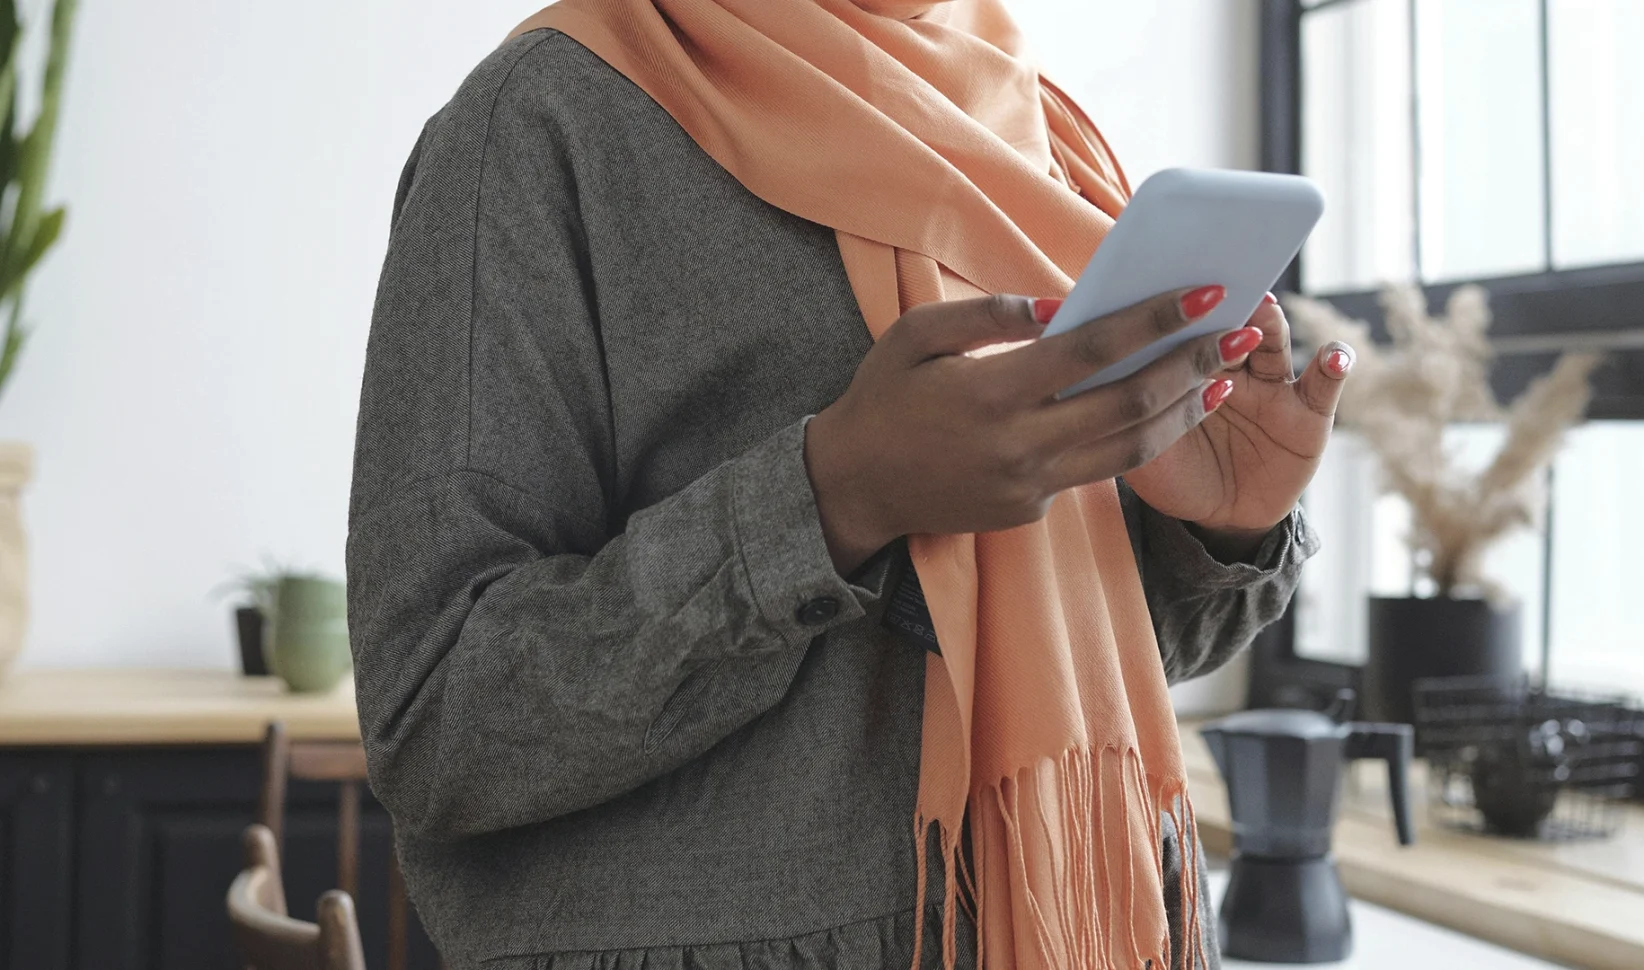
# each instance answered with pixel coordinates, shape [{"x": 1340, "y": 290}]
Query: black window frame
[{"x": 1537, "y": 316}]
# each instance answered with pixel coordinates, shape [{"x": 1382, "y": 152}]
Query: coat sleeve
[
  {"x": 520, "y": 652},
  {"x": 1205, "y": 611}
]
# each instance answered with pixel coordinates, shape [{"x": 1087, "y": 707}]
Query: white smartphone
[{"x": 1192, "y": 227}]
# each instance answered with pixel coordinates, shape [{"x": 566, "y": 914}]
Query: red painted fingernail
[
  {"x": 1045, "y": 307},
  {"x": 1270, "y": 298},
  {"x": 1215, "y": 394},
  {"x": 1338, "y": 361},
  {"x": 1202, "y": 300},
  {"x": 1240, "y": 342}
]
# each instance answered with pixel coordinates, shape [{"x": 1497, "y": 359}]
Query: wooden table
[
  {"x": 1580, "y": 904},
  {"x": 97, "y": 707}
]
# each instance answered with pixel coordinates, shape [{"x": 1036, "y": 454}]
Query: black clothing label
[{"x": 907, "y": 613}]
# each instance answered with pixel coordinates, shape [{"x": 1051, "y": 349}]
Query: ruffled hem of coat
[{"x": 885, "y": 941}]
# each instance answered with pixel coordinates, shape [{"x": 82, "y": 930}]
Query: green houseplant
[
  {"x": 28, "y": 231},
  {"x": 308, "y": 633},
  {"x": 292, "y": 624}
]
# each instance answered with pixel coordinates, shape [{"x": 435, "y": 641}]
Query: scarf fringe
[{"x": 1087, "y": 924}]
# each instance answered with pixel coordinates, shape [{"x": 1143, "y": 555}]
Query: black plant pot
[
  {"x": 1411, "y": 639},
  {"x": 248, "y": 623}
]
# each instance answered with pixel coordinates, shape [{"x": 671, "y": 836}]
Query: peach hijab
[{"x": 948, "y": 167}]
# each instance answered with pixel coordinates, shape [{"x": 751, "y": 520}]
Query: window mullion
[
  {"x": 1547, "y": 577},
  {"x": 1546, "y": 138},
  {"x": 1415, "y": 152}
]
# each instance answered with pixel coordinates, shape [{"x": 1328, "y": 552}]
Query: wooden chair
[
  {"x": 268, "y": 939},
  {"x": 342, "y": 762}
]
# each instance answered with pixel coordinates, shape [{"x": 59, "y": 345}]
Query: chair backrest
[
  {"x": 339, "y": 761},
  {"x": 267, "y": 938},
  {"x": 342, "y": 762}
]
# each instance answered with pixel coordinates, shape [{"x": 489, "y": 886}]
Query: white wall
[
  {"x": 1169, "y": 82},
  {"x": 230, "y": 168}
]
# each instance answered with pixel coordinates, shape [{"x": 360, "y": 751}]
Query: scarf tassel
[{"x": 1085, "y": 921}]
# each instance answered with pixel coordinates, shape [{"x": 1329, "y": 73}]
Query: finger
[
  {"x": 1113, "y": 408},
  {"x": 956, "y": 326},
  {"x": 1320, "y": 386},
  {"x": 1237, "y": 345},
  {"x": 1270, "y": 361},
  {"x": 1140, "y": 444},
  {"x": 1053, "y": 363}
]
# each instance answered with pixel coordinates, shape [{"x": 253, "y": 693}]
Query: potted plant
[
  {"x": 27, "y": 232},
  {"x": 256, "y": 604},
  {"x": 293, "y": 624},
  {"x": 1401, "y": 399},
  {"x": 308, "y": 632}
]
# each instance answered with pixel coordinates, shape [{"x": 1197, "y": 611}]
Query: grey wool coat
[{"x": 622, "y": 708}]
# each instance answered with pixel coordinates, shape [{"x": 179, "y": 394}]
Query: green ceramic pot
[{"x": 308, "y": 634}]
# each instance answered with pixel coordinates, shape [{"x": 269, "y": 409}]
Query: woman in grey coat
[{"x": 625, "y": 672}]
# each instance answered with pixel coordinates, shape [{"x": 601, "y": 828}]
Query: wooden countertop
[
  {"x": 1576, "y": 903},
  {"x": 152, "y": 707},
  {"x": 1580, "y": 904}
]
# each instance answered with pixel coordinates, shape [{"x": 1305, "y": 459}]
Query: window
[
  {"x": 1596, "y": 115},
  {"x": 1366, "y": 555},
  {"x": 1469, "y": 139},
  {"x": 1490, "y": 141},
  {"x": 1577, "y": 576}
]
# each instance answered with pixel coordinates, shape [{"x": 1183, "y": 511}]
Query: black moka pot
[{"x": 1284, "y": 901}]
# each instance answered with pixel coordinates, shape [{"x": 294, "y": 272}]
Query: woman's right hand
[{"x": 929, "y": 440}]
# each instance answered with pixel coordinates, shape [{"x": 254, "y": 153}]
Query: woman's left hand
[{"x": 1241, "y": 471}]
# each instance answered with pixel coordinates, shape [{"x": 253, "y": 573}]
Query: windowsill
[{"x": 1580, "y": 904}]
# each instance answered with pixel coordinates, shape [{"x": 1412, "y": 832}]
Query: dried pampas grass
[{"x": 1436, "y": 373}]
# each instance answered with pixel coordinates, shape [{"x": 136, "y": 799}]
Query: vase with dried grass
[{"x": 1403, "y": 396}]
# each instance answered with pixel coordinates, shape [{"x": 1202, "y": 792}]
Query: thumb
[
  {"x": 1320, "y": 386},
  {"x": 956, "y": 326}
]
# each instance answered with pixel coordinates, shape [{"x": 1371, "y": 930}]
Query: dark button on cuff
[{"x": 818, "y": 611}]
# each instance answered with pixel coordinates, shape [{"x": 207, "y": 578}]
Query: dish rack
[{"x": 1505, "y": 758}]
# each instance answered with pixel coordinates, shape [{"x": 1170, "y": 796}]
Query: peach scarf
[{"x": 949, "y": 166}]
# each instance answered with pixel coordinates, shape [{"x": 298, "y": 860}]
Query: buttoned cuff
[
  {"x": 1195, "y": 572},
  {"x": 795, "y": 586}
]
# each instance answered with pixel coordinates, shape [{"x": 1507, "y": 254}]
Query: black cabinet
[
  {"x": 119, "y": 859},
  {"x": 36, "y": 844}
]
